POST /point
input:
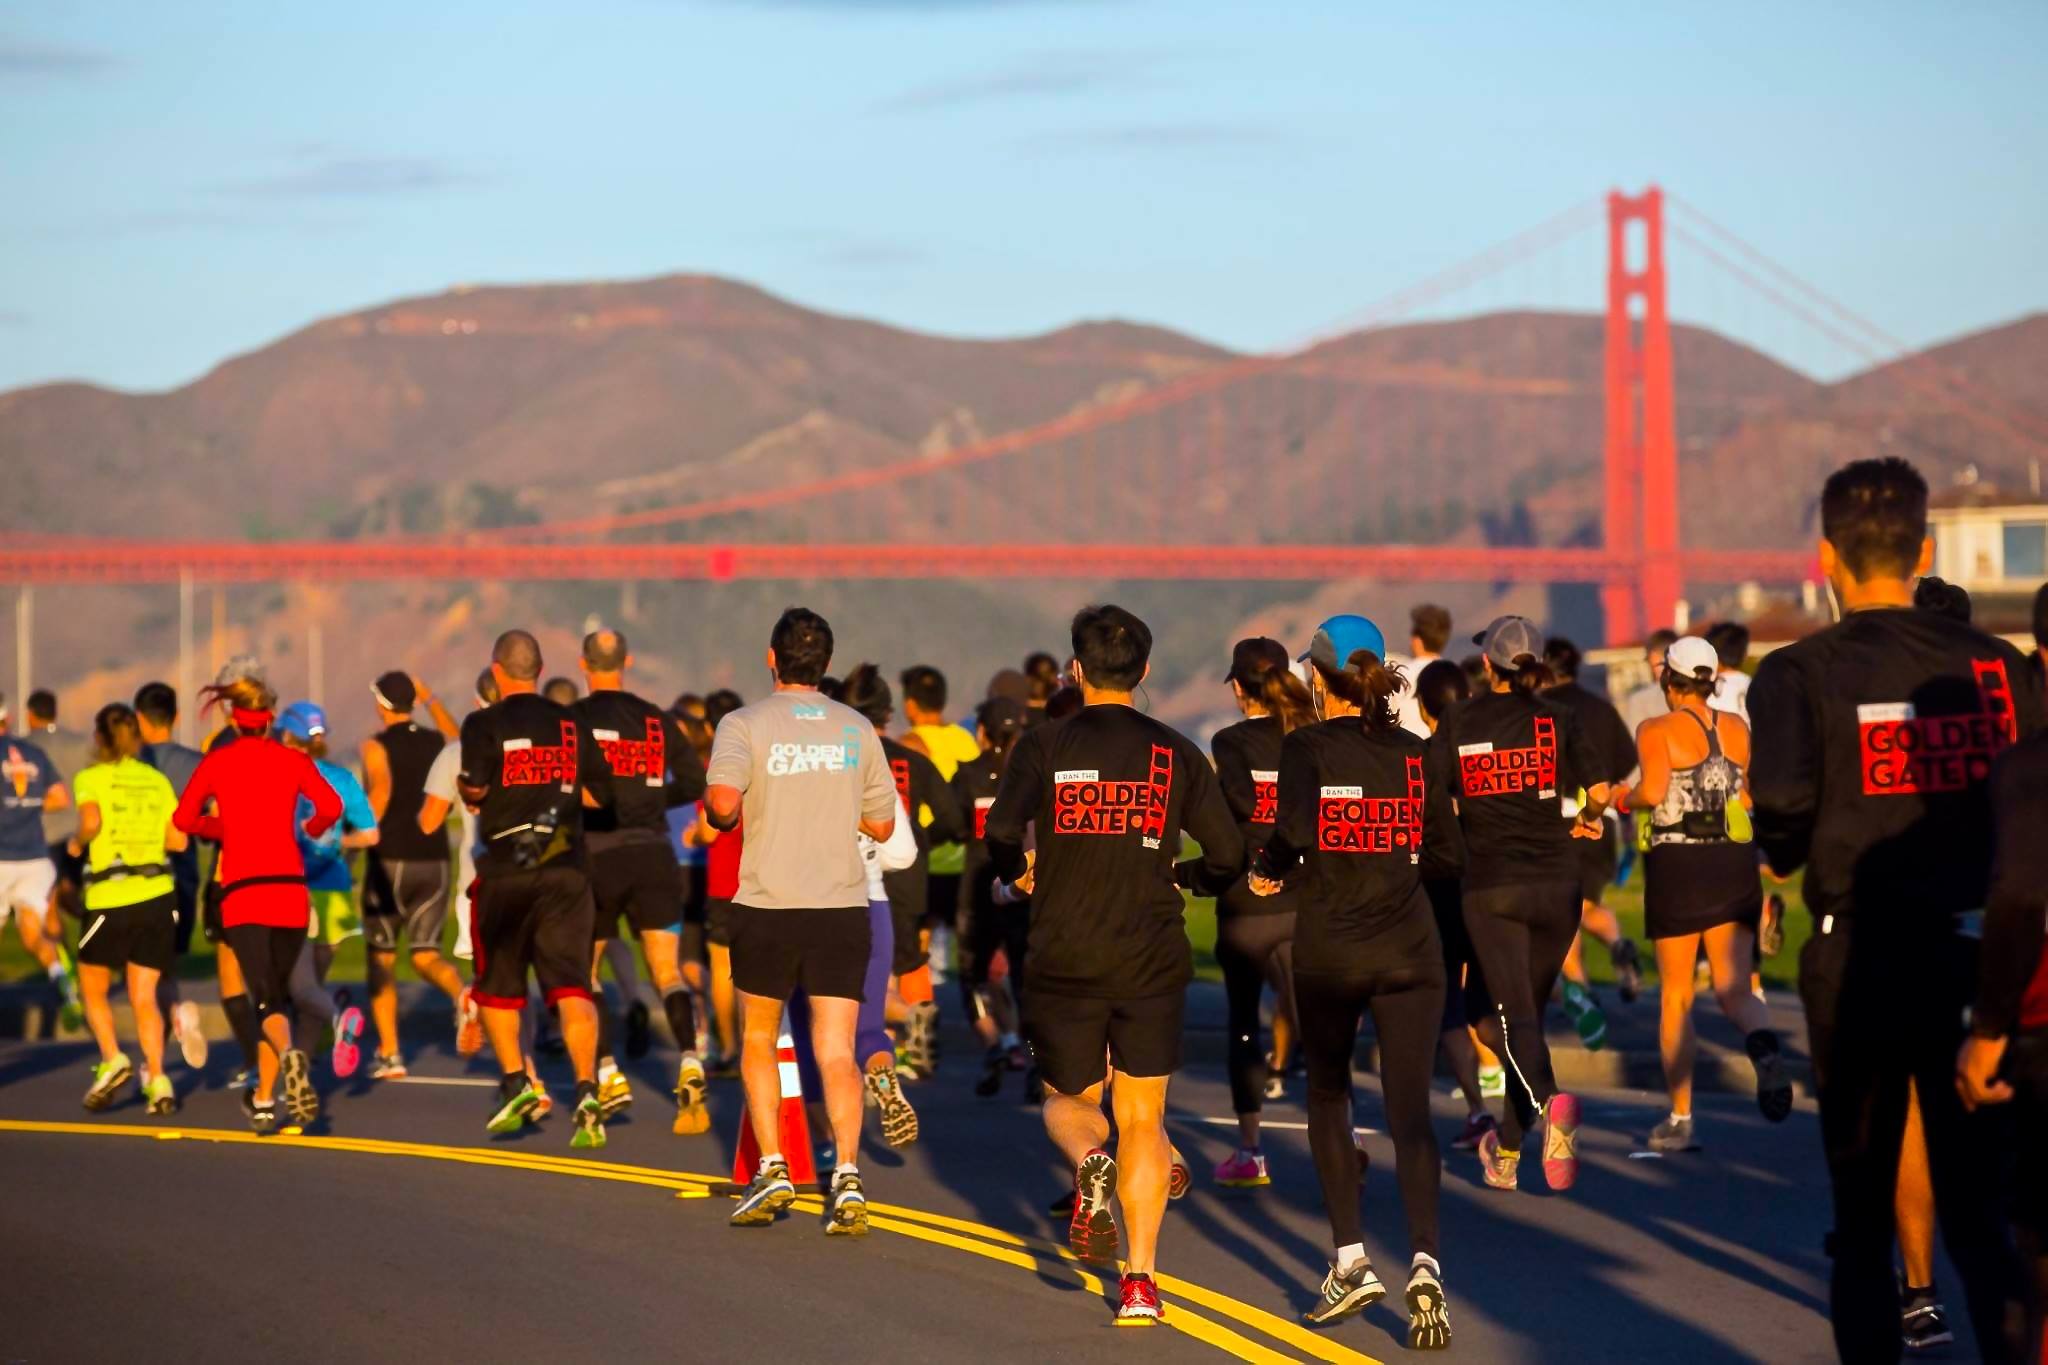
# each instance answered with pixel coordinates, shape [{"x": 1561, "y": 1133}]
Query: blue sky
[{"x": 181, "y": 182}]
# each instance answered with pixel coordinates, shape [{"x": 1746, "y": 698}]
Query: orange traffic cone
[{"x": 794, "y": 1124}]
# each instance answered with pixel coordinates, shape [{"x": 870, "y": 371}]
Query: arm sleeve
[
  {"x": 2016, "y": 915},
  {"x": 192, "y": 802},
  {"x": 685, "y": 769},
  {"x": 935, "y": 794},
  {"x": 1018, "y": 799},
  {"x": 732, "y": 754},
  {"x": 326, "y": 805},
  {"x": 1784, "y": 763},
  {"x": 878, "y": 796},
  {"x": 900, "y": 849},
  {"x": 1294, "y": 824},
  {"x": 1443, "y": 840},
  {"x": 1208, "y": 819}
]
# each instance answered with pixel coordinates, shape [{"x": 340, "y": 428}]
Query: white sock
[
  {"x": 1424, "y": 1261},
  {"x": 606, "y": 1069},
  {"x": 846, "y": 1168},
  {"x": 770, "y": 1159},
  {"x": 1677, "y": 1117},
  {"x": 1350, "y": 1255}
]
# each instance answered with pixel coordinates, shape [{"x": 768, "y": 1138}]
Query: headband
[{"x": 251, "y": 720}]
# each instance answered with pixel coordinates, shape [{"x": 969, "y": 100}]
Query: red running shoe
[
  {"x": 1091, "y": 1232},
  {"x": 1179, "y": 1179},
  {"x": 1561, "y": 1142},
  {"x": 1140, "y": 1306}
]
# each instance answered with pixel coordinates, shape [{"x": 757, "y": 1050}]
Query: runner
[
  {"x": 1044, "y": 672},
  {"x": 1110, "y": 792},
  {"x": 235, "y": 1001},
  {"x": 156, "y": 712},
  {"x": 1871, "y": 744},
  {"x": 1646, "y": 702},
  {"x": 561, "y": 691},
  {"x": 808, "y": 774},
  {"x": 330, "y": 886},
  {"x": 947, "y": 746},
  {"x": 1700, "y": 881},
  {"x": 1254, "y": 934},
  {"x": 254, "y": 785},
  {"x": 1429, "y": 630},
  {"x": 405, "y": 890},
  {"x": 691, "y": 951},
  {"x": 722, "y": 852},
  {"x": 528, "y": 769},
  {"x": 634, "y": 875},
  {"x": 1730, "y": 642},
  {"x": 991, "y": 923},
  {"x": 32, "y": 786},
  {"x": 1361, "y": 803},
  {"x": 1517, "y": 757},
  {"x": 126, "y": 837}
]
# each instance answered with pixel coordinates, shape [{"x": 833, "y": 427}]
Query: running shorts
[
  {"x": 639, "y": 884},
  {"x": 910, "y": 952},
  {"x": 334, "y": 917},
  {"x": 144, "y": 935},
  {"x": 1070, "y": 1035},
  {"x": 718, "y": 921},
  {"x": 695, "y": 883},
  {"x": 825, "y": 952},
  {"x": 408, "y": 895},
  {"x": 690, "y": 946},
  {"x": 534, "y": 918},
  {"x": 26, "y": 885},
  {"x": 267, "y": 955},
  {"x": 1598, "y": 860}
]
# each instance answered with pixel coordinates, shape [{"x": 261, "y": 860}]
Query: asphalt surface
[{"x": 188, "y": 1250}]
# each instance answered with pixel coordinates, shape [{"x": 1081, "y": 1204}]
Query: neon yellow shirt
[
  {"x": 135, "y": 803},
  {"x": 947, "y": 746}
]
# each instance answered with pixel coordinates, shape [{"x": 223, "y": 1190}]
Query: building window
[{"x": 2026, "y": 549}]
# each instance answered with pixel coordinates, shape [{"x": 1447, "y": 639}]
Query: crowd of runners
[{"x": 1388, "y": 835}]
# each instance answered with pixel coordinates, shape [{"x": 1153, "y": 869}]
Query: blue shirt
[
  {"x": 26, "y": 776},
  {"x": 326, "y": 863}
]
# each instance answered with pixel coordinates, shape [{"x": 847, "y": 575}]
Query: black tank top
[{"x": 411, "y": 751}]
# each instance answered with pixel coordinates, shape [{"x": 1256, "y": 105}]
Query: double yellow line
[{"x": 958, "y": 1234}]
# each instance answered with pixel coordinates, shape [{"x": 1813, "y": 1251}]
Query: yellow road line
[{"x": 938, "y": 1229}]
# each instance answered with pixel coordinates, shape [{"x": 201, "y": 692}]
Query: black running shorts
[
  {"x": 535, "y": 918},
  {"x": 144, "y": 935},
  {"x": 823, "y": 951},
  {"x": 718, "y": 921},
  {"x": 695, "y": 898},
  {"x": 405, "y": 895},
  {"x": 1070, "y": 1035},
  {"x": 639, "y": 884}
]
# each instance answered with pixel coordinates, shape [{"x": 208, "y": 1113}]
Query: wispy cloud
[
  {"x": 1045, "y": 74},
  {"x": 20, "y": 57},
  {"x": 1159, "y": 137},
  {"x": 332, "y": 176}
]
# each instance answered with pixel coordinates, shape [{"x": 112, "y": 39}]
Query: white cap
[{"x": 1692, "y": 657}]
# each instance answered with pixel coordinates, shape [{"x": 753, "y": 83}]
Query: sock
[
  {"x": 770, "y": 1159},
  {"x": 1424, "y": 1261},
  {"x": 846, "y": 1168},
  {"x": 511, "y": 1083},
  {"x": 242, "y": 1019},
  {"x": 1677, "y": 1117},
  {"x": 682, "y": 1018},
  {"x": 1916, "y": 1298},
  {"x": 1350, "y": 1254},
  {"x": 606, "y": 1067},
  {"x": 585, "y": 1090}
]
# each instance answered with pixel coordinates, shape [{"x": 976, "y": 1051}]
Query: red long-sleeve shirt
[{"x": 255, "y": 785}]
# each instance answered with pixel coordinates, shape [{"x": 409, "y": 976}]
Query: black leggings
[
  {"x": 985, "y": 927},
  {"x": 1520, "y": 935},
  {"x": 1253, "y": 950},
  {"x": 266, "y": 955},
  {"x": 1407, "y": 1004}
]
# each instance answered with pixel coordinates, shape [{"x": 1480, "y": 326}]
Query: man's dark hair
[
  {"x": 1730, "y": 640},
  {"x": 1113, "y": 647},
  {"x": 157, "y": 703},
  {"x": 1874, "y": 512},
  {"x": 561, "y": 691},
  {"x": 1475, "y": 672},
  {"x": 605, "y": 651},
  {"x": 42, "y": 705},
  {"x": 487, "y": 688},
  {"x": 1039, "y": 664},
  {"x": 802, "y": 641},
  {"x": 925, "y": 686},
  {"x": 518, "y": 653},
  {"x": 1440, "y": 685},
  {"x": 1430, "y": 624},
  {"x": 1940, "y": 595},
  {"x": 866, "y": 691},
  {"x": 1663, "y": 637},
  {"x": 687, "y": 704},
  {"x": 1563, "y": 657},
  {"x": 721, "y": 704}
]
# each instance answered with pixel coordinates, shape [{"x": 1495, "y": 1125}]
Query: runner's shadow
[{"x": 29, "y": 1062}]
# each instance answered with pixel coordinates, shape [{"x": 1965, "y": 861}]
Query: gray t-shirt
[{"x": 810, "y": 770}]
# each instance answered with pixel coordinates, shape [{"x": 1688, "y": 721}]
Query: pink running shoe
[
  {"x": 348, "y": 1026},
  {"x": 1243, "y": 1170},
  {"x": 1561, "y": 1142}
]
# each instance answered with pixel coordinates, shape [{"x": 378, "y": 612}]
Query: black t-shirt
[
  {"x": 2013, "y": 987},
  {"x": 1110, "y": 791},
  {"x": 1871, "y": 743},
  {"x": 924, "y": 792},
  {"x": 653, "y": 769},
  {"x": 1364, "y": 815},
  {"x": 1248, "y": 770},
  {"x": 1610, "y": 748},
  {"x": 410, "y": 750},
  {"x": 1514, "y": 757},
  {"x": 974, "y": 790},
  {"x": 532, "y": 760}
]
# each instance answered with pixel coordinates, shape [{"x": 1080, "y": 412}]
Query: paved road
[{"x": 221, "y": 1250}]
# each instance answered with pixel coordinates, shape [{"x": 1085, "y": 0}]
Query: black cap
[
  {"x": 1251, "y": 659},
  {"x": 1000, "y": 716},
  {"x": 394, "y": 691}
]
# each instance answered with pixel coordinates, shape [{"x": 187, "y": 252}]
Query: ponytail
[
  {"x": 1531, "y": 675},
  {"x": 249, "y": 701},
  {"x": 115, "y": 733},
  {"x": 1285, "y": 696},
  {"x": 1369, "y": 683}
]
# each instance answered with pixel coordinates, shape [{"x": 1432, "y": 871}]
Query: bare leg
[
  {"x": 1076, "y": 1123},
  {"x": 277, "y": 1031},
  {"x": 93, "y": 984},
  {"x": 1575, "y": 963},
  {"x": 431, "y": 966},
  {"x": 1729, "y": 952},
  {"x": 1463, "y": 1057},
  {"x": 834, "y": 1020},
  {"x": 579, "y": 1035},
  {"x": 724, "y": 1012},
  {"x": 1914, "y": 1199},
  {"x": 29, "y": 924},
  {"x": 383, "y": 974},
  {"x": 1142, "y": 1157},
  {"x": 760, "y": 1073},
  {"x": 503, "y": 1027},
  {"x": 1675, "y": 1041},
  {"x": 149, "y": 1020}
]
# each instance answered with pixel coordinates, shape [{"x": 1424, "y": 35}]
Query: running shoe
[
  {"x": 849, "y": 1210},
  {"x": 639, "y": 1030},
  {"x": 348, "y": 1026},
  {"x": 388, "y": 1068},
  {"x": 262, "y": 1117},
  {"x": 163, "y": 1100},
  {"x": 922, "y": 1035},
  {"x": 1770, "y": 932},
  {"x": 190, "y": 1032},
  {"x": 1091, "y": 1232},
  {"x": 589, "y": 1134},
  {"x": 614, "y": 1095},
  {"x": 1493, "y": 1082},
  {"x": 70, "y": 1010},
  {"x": 1628, "y": 970},
  {"x": 1673, "y": 1135},
  {"x": 108, "y": 1076},
  {"x": 1501, "y": 1168},
  {"x": 691, "y": 1088},
  {"x": 1429, "y": 1315},
  {"x": 1139, "y": 1305},
  {"x": 1773, "y": 1086},
  {"x": 767, "y": 1194},
  {"x": 1346, "y": 1292},
  {"x": 469, "y": 1025},
  {"x": 899, "y": 1120},
  {"x": 1180, "y": 1177},
  {"x": 1585, "y": 1015},
  {"x": 1243, "y": 1169},
  {"x": 514, "y": 1111},
  {"x": 546, "y": 1106},
  {"x": 1561, "y": 1142},
  {"x": 993, "y": 1064},
  {"x": 1476, "y": 1127},
  {"x": 242, "y": 1079},
  {"x": 1923, "y": 1322},
  {"x": 301, "y": 1100},
  {"x": 1276, "y": 1086}
]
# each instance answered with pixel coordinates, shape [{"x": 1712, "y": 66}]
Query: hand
[
  {"x": 71, "y": 846},
  {"x": 1977, "y": 1072},
  {"x": 1025, "y": 883},
  {"x": 1584, "y": 828},
  {"x": 1263, "y": 886}
]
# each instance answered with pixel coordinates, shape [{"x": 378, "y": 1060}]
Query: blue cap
[
  {"x": 1338, "y": 638},
  {"x": 302, "y": 720}
]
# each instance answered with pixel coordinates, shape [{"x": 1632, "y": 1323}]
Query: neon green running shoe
[{"x": 108, "y": 1076}]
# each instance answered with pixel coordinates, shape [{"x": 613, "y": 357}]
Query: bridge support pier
[{"x": 1641, "y": 504}]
